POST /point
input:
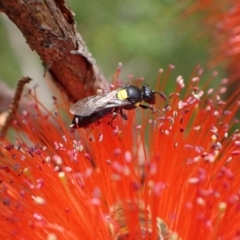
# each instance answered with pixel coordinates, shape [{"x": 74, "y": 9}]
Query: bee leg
[
  {"x": 75, "y": 122},
  {"x": 163, "y": 96},
  {"x": 123, "y": 115},
  {"x": 114, "y": 116},
  {"x": 148, "y": 107}
]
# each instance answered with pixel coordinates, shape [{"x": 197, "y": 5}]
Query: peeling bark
[{"x": 50, "y": 30}]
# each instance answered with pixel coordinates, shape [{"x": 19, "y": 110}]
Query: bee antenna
[{"x": 163, "y": 96}]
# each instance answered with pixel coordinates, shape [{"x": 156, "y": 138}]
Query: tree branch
[{"x": 50, "y": 30}]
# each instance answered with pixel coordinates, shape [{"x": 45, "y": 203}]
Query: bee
[
  {"x": 91, "y": 109},
  {"x": 141, "y": 226}
]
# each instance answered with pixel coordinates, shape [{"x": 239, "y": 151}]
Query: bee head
[{"x": 148, "y": 94}]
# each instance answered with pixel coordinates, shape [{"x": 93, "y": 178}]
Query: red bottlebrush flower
[
  {"x": 221, "y": 19},
  {"x": 168, "y": 176}
]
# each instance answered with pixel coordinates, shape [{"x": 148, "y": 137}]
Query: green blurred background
[{"x": 143, "y": 35}]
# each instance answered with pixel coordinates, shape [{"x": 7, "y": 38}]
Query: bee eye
[{"x": 148, "y": 94}]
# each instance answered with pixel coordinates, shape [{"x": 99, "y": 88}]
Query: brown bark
[
  {"x": 6, "y": 117},
  {"x": 50, "y": 30}
]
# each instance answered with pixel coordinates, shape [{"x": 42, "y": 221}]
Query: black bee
[{"x": 93, "y": 108}]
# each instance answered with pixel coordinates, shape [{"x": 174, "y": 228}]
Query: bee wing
[{"x": 89, "y": 105}]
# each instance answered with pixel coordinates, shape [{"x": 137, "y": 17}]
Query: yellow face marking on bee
[{"x": 122, "y": 94}]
